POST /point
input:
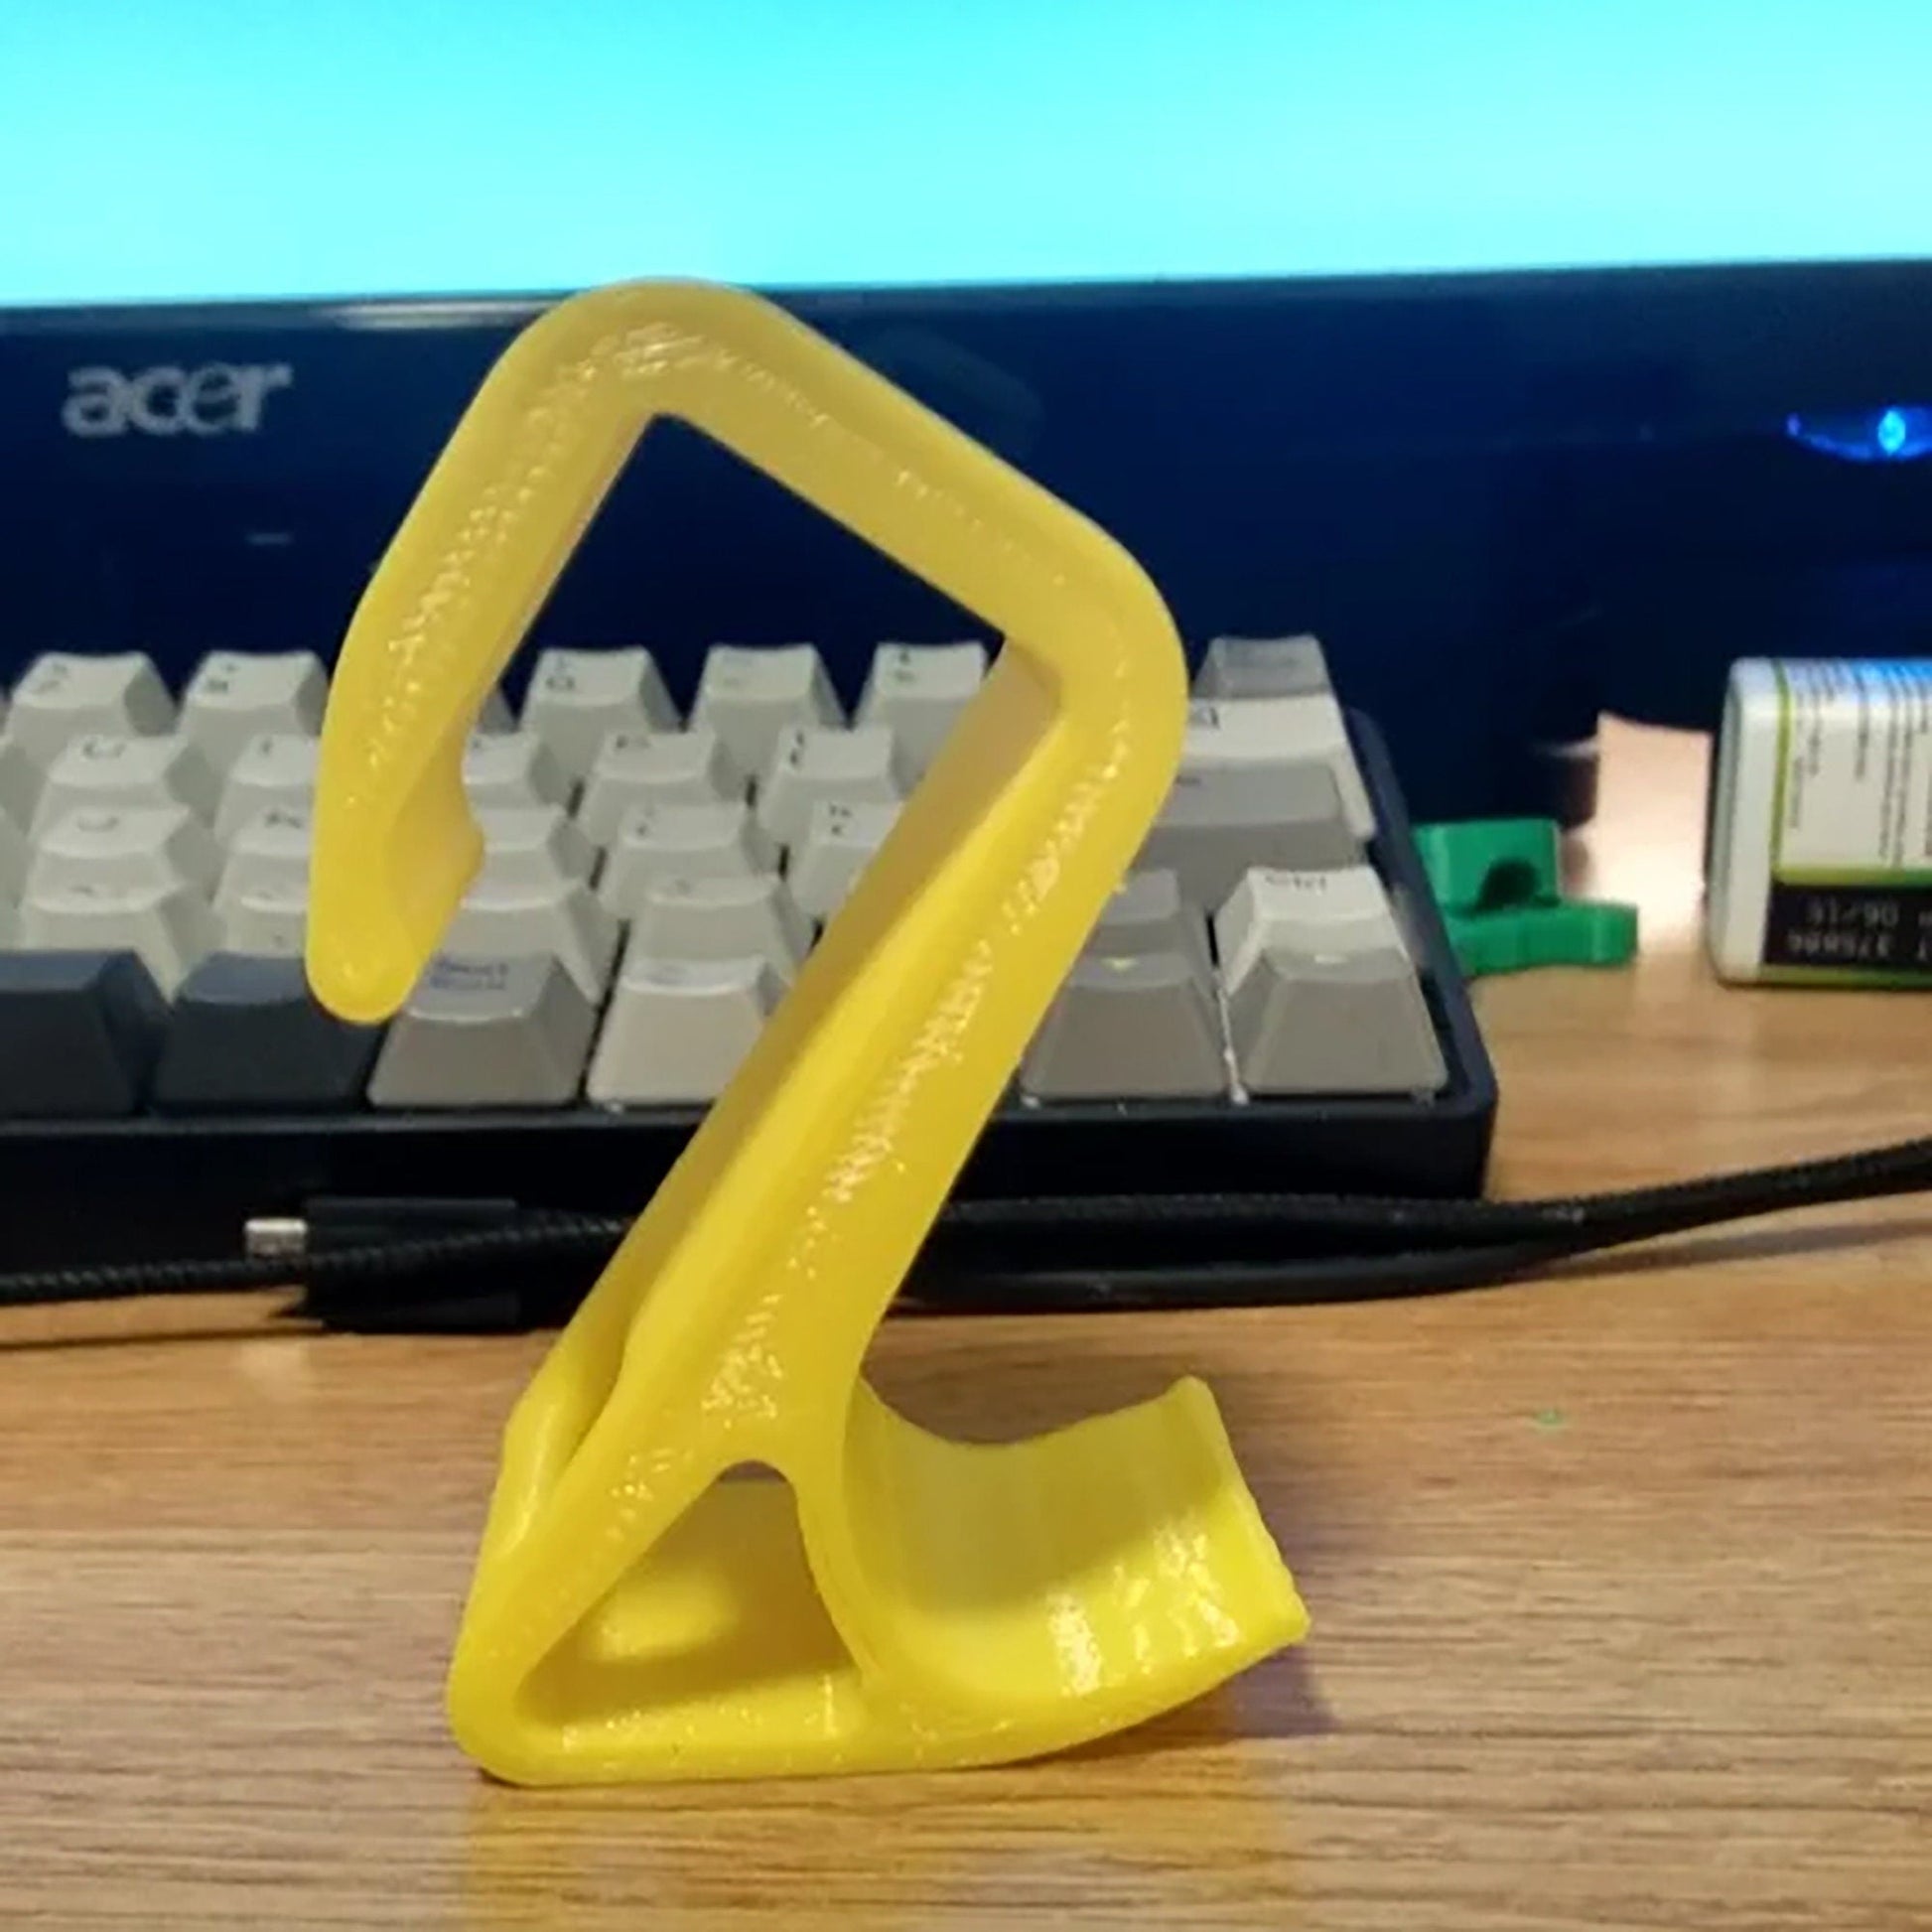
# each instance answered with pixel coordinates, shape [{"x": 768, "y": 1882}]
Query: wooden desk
[{"x": 1623, "y": 1587}]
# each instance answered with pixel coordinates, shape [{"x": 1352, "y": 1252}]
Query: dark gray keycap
[
  {"x": 1140, "y": 1027},
  {"x": 78, "y": 1034},
  {"x": 1216, "y": 825},
  {"x": 487, "y": 1032},
  {"x": 247, "y": 1037},
  {"x": 1147, "y": 914},
  {"x": 1334, "y": 1024},
  {"x": 1260, "y": 667}
]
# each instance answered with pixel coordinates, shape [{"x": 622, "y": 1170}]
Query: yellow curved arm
[{"x": 896, "y": 1599}]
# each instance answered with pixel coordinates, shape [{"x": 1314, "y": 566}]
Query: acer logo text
[{"x": 216, "y": 399}]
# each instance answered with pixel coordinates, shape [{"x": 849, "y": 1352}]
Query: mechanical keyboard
[{"x": 1266, "y": 1003}]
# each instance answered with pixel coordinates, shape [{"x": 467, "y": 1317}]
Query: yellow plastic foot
[{"x": 896, "y": 1599}]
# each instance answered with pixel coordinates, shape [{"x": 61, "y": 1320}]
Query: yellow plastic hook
[{"x": 898, "y": 1599}]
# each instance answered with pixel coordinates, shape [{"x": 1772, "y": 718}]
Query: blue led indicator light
[{"x": 1897, "y": 434}]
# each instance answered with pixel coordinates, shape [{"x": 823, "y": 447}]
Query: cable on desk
[
  {"x": 407, "y": 1263},
  {"x": 529, "y": 1269},
  {"x": 1629, "y": 1214}
]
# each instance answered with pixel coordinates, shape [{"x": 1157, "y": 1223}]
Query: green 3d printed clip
[
  {"x": 897, "y": 1600},
  {"x": 1500, "y": 885}
]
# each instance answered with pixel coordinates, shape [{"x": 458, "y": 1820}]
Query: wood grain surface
[{"x": 1621, "y": 1583}]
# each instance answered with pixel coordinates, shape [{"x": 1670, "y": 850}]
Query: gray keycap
[
  {"x": 235, "y": 697},
  {"x": 1260, "y": 667},
  {"x": 275, "y": 770},
  {"x": 1238, "y": 733},
  {"x": 487, "y": 1032},
  {"x": 813, "y": 765},
  {"x": 22, "y": 778},
  {"x": 154, "y": 845},
  {"x": 747, "y": 696},
  {"x": 272, "y": 848},
  {"x": 677, "y": 1029},
  {"x": 265, "y": 920},
  {"x": 1342, "y": 913},
  {"x": 557, "y": 917},
  {"x": 723, "y": 919},
  {"x": 578, "y": 698},
  {"x": 65, "y": 696},
  {"x": 104, "y": 772},
  {"x": 636, "y": 768},
  {"x": 1146, "y": 914},
  {"x": 533, "y": 844},
  {"x": 13, "y": 858},
  {"x": 920, "y": 690},
  {"x": 169, "y": 926},
  {"x": 1215, "y": 826},
  {"x": 1141, "y": 1026},
  {"x": 839, "y": 844},
  {"x": 681, "y": 842},
  {"x": 512, "y": 768},
  {"x": 1338, "y": 1024}
]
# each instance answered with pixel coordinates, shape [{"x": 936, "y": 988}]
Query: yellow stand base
[{"x": 896, "y": 1599}]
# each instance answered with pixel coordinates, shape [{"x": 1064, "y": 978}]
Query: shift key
[{"x": 487, "y": 1032}]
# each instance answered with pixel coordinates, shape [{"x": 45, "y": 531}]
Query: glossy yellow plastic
[{"x": 896, "y": 1599}]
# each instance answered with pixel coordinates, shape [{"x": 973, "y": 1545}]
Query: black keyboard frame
[{"x": 152, "y": 1188}]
